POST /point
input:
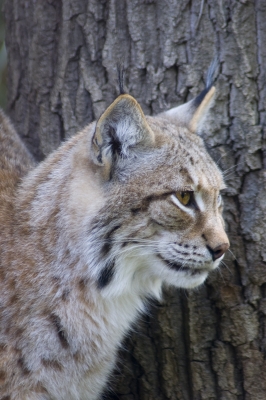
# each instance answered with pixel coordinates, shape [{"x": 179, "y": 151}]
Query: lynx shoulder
[{"x": 128, "y": 204}]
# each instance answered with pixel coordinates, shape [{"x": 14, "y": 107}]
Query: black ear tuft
[
  {"x": 198, "y": 100},
  {"x": 212, "y": 72},
  {"x": 211, "y": 77},
  {"x": 120, "y": 77}
]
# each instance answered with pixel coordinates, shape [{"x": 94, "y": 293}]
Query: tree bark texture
[{"x": 209, "y": 343}]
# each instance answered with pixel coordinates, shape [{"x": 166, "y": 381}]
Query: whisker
[
  {"x": 126, "y": 239},
  {"x": 185, "y": 293},
  {"x": 229, "y": 175},
  {"x": 230, "y": 251},
  {"x": 229, "y": 169},
  {"x": 226, "y": 266},
  {"x": 121, "y": 240},
  {"x": 233, "y": 166},
  {"x": 221, "y": 275},
  {"x": 217, "y": 162},
  {"x": 224, "y": 155},
  {"x": 134, "y": 247}
]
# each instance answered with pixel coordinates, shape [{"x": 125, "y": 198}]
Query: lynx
[{"x": 128, "y": 204}]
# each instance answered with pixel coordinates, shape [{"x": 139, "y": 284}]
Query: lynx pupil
[{"x": 183, "y": 197}]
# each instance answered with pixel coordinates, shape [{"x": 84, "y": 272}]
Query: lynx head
[{"x": 161, "y": 216}]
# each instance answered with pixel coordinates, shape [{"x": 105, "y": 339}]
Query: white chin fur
[
  {"x": 183, "y": 279},
  {"x": 141, "y": 273}
]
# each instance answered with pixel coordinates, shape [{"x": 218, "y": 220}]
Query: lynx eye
[
  {"x": 219, "y": 200},
  {"x": 183, "y": 197}
]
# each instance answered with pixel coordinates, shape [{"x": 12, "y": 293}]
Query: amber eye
[{"x": 183, "y": 197}]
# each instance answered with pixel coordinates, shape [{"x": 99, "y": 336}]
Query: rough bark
[{"x": 209, "y": 343}]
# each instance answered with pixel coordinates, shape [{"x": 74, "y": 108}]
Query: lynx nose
[{"x": 218, "y": 251}]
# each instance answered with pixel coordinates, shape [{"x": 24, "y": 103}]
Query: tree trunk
[{"x": 208, "y": 343}]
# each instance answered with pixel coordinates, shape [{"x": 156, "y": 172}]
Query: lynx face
[
  {"x": 175, "y": 233},
  {"x": 164, "y": 196}
]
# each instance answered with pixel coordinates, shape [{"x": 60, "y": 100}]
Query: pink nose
[{"x": 218, "y": 251}]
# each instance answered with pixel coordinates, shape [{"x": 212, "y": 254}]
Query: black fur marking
[
  {"x": 135, "y": 211},
  {"x": 153, "y": 221},
  {"x": 204, "y": 237},
  {"x": 109, "y": 234},
  {"x": 60, "y": 330},
  {"x": 173, "y": 265},
  {"x": 106, "y": 276},
  {"x": 197, "y": 101},
  {"x": 99, "y": 158},
  {"x": 106, "y": 248},
  {"x": 95, "y": 142},
  {"x": 195, "y": 272},
  {"x": 114, "y": 142},
  {"x": 113, "y": 230},
  {"x": 210, "y": 79},
  {"x": 120, "y": 77},
  {"x": 22, "y": 364}
]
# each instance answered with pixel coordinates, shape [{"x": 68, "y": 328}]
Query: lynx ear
[
  {"x": 121, "y": 130},
  {"x": 192, "y": 114}
]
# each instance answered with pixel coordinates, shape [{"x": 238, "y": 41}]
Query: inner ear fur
[
  {"x": 122, "y": 128},
  {"x": 192, "y": 113}
]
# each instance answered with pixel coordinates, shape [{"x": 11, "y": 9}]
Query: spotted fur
[{"x": 91, "y": 233}]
